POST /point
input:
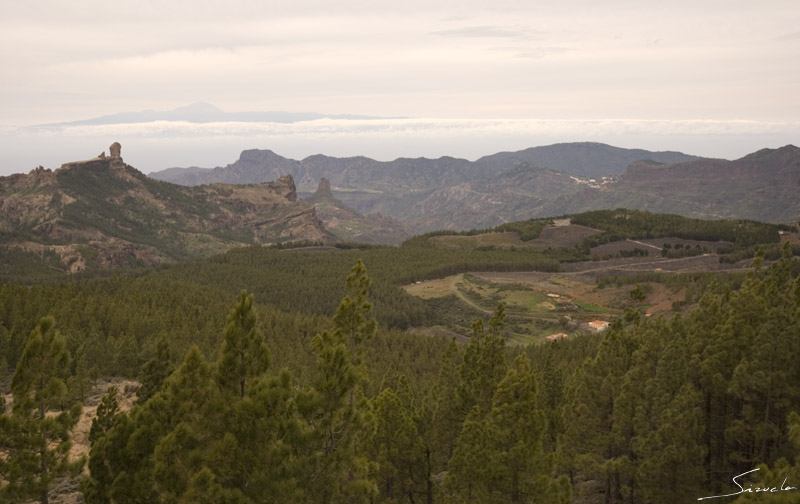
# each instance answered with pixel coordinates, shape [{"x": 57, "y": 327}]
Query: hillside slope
[
  {"x": 582, "y": 159},
  {"x": 348, "y": 225},
  {"x": 763, "y": 186},
  {"x": 523, "y": 193},
  {"x": 450, "y": 193},
  {"x": 103, "y": 213}
]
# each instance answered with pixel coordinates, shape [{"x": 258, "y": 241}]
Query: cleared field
[
  {"x": 561, "y": 236},
  {"x": 564, "y": 236},
  {"x": 507, "y": 239},
  {"x": 672, "y": 241},
  {"x": 617, "y": 247},
  {"x": 793, "y": 238},
  {"x": 577, "y": 295},
  {"x": 705, "y": 262},
  {"x": 539, "y": 304},
  {"x": 440, "y": 287}
]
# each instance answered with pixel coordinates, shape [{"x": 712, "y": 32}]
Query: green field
[{"x": 533, "y": 308}]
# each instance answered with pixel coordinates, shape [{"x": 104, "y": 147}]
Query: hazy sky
[{"x": 709, "y": 77}]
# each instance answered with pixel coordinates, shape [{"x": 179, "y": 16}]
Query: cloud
[
  {"x": 540, "y": 52},
  {"x": 443, "y": 58},
  {"x": 789, "y": 36},
  {"x": 417, "y": 126},
  {"x": 515, "y": 33},
  {"x": 162, "y": 144}
]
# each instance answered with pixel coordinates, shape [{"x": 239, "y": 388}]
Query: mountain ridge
[
  {"x": 102, "y": 213},
  {"x": 360, "y": 172},
  {"x": 200, "y": 112},
  {"x": 450, "y": 193}
]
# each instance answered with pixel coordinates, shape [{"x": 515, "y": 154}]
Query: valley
[
  {"x": 449, "y": 193},
  {"x": 243, "y": 319},
  {"x": 542, "y": 304},
  {"x": 421, "y": 252}
]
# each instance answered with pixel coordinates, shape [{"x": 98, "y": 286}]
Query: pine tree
[
  {"x": 40, "y": 442},
  {"x": 353, "y": 321},
  {"x": 5, "y": 374},
  {"x": 765, "y": 378},
  {"x": 399, "y": 448},
  {"x": 447, "y": 413},
  {"x": 126, "y": 355},
  {"x": 671, "y": 455},
  {"x": 106, "y": 412},
  {"x": 341, "y": 467},
  {"x": 205, "y": 489},
  {"x": 192, "y": 397},
  {"x": 80, "y": 384},
  {"x": 499, "y": 457},
  {"x": 484, "y": 363},
  {"x": 254, "y": 446},
  {"x": 591, "y": 443},
  {"x": 154, "y": 372},
  {"x": 123, "y": 464},
  {"x": 474, "y": 465},
  {"x": 244, "y": 353},
  {"x": 525, "y": 472}
]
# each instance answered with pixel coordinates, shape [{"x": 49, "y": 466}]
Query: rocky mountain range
[
  {"x": 764, "y": 186},
  {"x": 416, "y": 174},
  {"x": 103, "y": 213},
  {"x": 428, "y": 194}
]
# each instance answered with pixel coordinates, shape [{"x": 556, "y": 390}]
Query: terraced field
[{"x": 537, "y": 304}]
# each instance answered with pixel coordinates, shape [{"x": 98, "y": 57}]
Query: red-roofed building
[{"x": 598, "y": 325}]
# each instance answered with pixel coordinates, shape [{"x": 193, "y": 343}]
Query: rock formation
[
  {"x": 290, "y": 189},
  {"x": 115, "y": 150},
  {"x": 71, "y": 218},
  {"x": 324, "y": 186}
]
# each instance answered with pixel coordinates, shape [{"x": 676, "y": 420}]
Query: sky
[{"x": 462, "y": 78}]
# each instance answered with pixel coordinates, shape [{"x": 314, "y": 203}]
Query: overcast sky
[{"x": 703, "y": 76}]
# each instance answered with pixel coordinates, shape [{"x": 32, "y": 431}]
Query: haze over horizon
[{"x": 715, "y": 79}]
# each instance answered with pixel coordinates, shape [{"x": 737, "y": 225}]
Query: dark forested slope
[{"x": 306, "y": 393}]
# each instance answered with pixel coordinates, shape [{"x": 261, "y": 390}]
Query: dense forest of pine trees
[{"x": 275, "y": 394}]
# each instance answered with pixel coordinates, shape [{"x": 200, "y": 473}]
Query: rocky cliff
[
  {"x": 348, "y": 225},
  {"x": 103, "y": 213}
]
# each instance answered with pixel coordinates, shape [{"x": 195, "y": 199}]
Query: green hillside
[{"x": 312, "y": 373}]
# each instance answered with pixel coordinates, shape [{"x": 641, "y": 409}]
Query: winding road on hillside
[{"x": 455, "y": 290}]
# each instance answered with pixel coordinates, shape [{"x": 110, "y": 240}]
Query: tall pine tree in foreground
[
  {"x": 35, "y": 439},
  {"x": 342, "y": 469},
  {"x": 244, "y": 354},
  {"x": 499, "y": 456}
]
